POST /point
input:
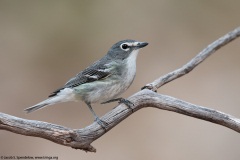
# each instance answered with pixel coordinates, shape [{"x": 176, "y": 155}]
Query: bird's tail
[
  {"x": 34, "y": 108},
  {"x": 64, "y": 95},
  {"x": 40, "y": 105},
  {"x": 47, "y": 102}
]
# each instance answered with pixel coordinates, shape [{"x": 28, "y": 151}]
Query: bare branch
[
  {"x": 205, "y": 53},
  {"x": 82, "y": 138}
]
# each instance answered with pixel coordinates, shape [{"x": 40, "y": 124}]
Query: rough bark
[{"x": 147, "y": 97}]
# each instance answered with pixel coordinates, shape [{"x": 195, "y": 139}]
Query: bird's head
[{"x": 123, "y": 49}]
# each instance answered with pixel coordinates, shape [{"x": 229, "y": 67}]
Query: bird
[{"x": 102, "y": 82}]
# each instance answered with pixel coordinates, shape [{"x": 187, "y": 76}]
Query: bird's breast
[{"x": 128, "y": 70}]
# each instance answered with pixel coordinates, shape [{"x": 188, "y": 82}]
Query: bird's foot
[
  {"x": 102, "y": 123},
  {"x": 128, "y": 103}
]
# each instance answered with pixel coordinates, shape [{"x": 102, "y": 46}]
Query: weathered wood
[
  {"x": 199, "y": 58},
  {"x": 82, "y": 138}
]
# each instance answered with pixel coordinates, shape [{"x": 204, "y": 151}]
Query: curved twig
[
  {"x": 200, "y": 57},
  {"x": 82, "y": 138}
]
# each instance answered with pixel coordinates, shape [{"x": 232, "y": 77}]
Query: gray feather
[{"x": 36, "y": 107}]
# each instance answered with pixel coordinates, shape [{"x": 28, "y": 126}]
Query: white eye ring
[{"x": 124, "y": 47}]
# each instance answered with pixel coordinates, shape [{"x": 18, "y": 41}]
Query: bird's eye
[{"x": 124, "y": 47}]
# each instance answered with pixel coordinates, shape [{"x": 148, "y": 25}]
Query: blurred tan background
[{"x": 45, "y": 43}]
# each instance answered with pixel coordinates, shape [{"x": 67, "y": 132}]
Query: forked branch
[{"x": 82, "y": 138}]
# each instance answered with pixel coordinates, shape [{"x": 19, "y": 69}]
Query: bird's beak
[{"x": 141, "y": 44}]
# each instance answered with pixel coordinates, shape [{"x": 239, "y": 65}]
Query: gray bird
[{"x": 102, "y": 82}]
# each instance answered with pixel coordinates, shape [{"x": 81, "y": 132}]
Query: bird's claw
[
  {"x": 128, "y": 103},
  {"x": 102, "y": 123}
]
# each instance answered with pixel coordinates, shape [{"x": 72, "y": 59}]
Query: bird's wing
[
  {"x": 93, "y": 73},
  {"x": 90, "y": 74}
]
